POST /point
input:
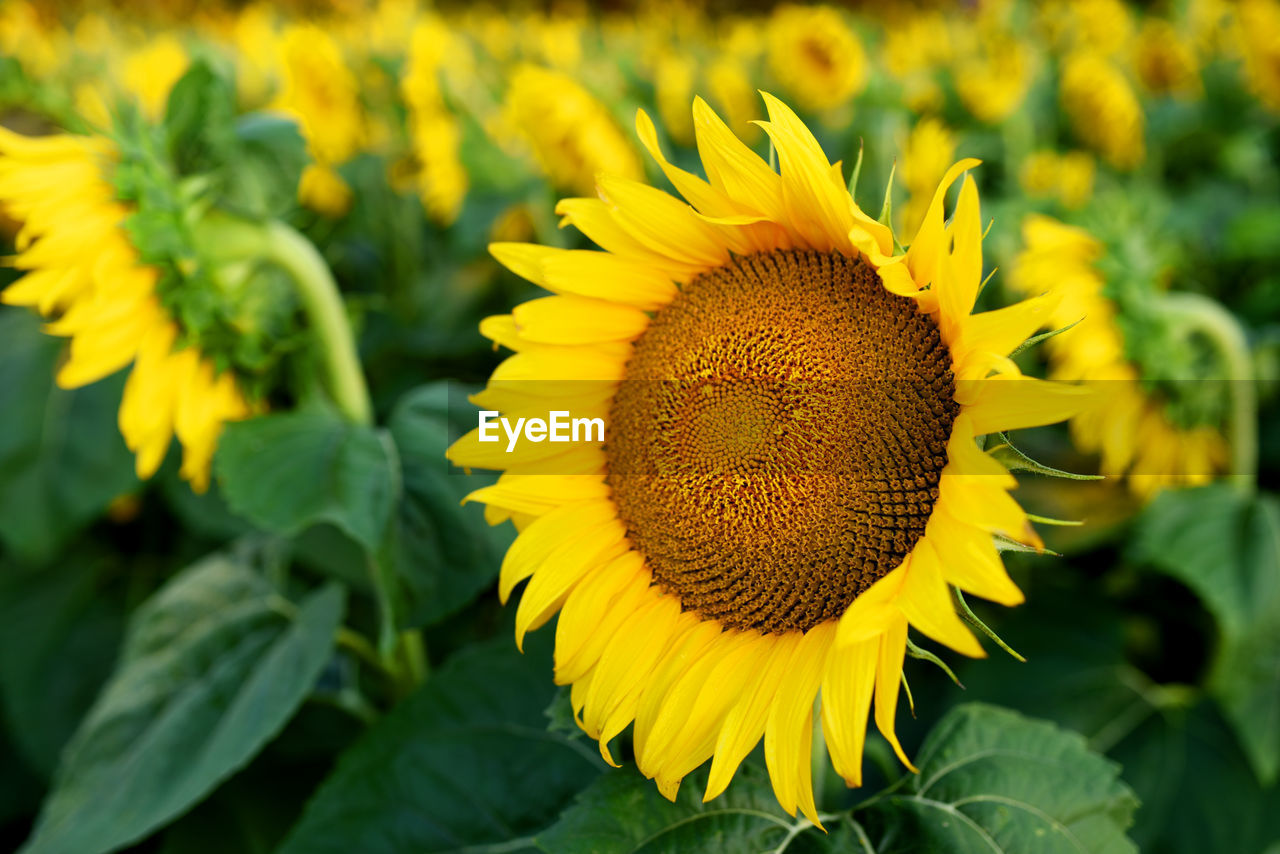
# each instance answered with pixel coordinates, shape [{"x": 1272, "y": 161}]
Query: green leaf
[
  {"x": 446, "y": 553},
  {"x": 263, "y": 181},
  {"x": 1218, "y": 804},
  {"x": 59, "y": 635},
  {"x": 465, "y": 762},
  {"x": 211, "y": 669},
  {"x": 993, "y": 781},
  {"x": 286, "y": 472},
  {"x": 1225, "y": 546},
  {"x": 623, "y": 813},
  {"x": 198, "y": 120},
  {"x": 62, "y": 459}
]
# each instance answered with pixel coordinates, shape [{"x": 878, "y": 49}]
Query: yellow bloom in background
[
  {"x": 673, "y": 80},
  {"x": 149, "y": 72},
  {"x": 39, "y": 48},
  {"x": 322, "y": 189},
  {"x": 441, "y": 179},
  {"x": 571, "y": 135},
  {"x": 1103, "y": 27},
  {"x": 1066, "y": 176},
  {"x": 255, "y": 48},
  {"x": 730, "y": 89},
  {"x": 1129, "y": 429},
  {"x": 993, "y": 80},
  {"x": 1260, "y": 43},
  {"x": 929, "y": 150},
  {"x": 321, "y": 93},
  {"x": 730, "y": 554},
  {"x": 81, "y": 270},
  {"x": 815, "y": 56},
  {"x": 1165, "y": 62},
  {"x": 1104, "y": 110}
]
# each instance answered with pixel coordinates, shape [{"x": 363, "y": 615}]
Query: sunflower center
[{"x": 775, "y": 446}]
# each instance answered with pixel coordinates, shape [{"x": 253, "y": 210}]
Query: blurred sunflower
[
  {"x": 1166, "y": 63},
  {"x": 1130, "y": 428},
  {"x": 1104, "y": 110},
  {"x": 737, "y": 547},
  {"x": 1067, "y": 176},
  {"x": 571, "y": 134},
  {"x": 815, "y": 56},
  {"x": 441, "y": 178},
  {"x": 81, "y": 268},
  {"x": 1260, "y": 40},
  {"x": 322, "y": 94}
]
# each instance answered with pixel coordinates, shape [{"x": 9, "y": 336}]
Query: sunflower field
[{"x": 639, "y": 427}]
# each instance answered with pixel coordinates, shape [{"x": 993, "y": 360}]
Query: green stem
[
  {"x": 323, "y": 305},
  {"x": 1195, "y": 313}
]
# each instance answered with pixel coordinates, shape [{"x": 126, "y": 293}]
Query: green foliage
[
  {"x": 992, "y": 780},
  {"x": 286, "y": 472},
  {"x": 61, "y": 458},
  {"x": 59, "y": 633},
  {"x": 445, "y": 553},
  {"x": 465, "y": 761},
  {"x": 1225, "y": 546},
  {"x": 211, "y": 667}
]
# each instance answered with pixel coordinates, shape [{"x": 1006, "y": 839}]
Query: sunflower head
[
  {"x": 789, "y": 477},
  {"x": 122, "y": 246}
]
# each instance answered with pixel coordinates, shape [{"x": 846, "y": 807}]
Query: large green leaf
[
  {"x": 622, "y": 813},
  {"x": 446, "y": 554},
  {"x": 213, "y": 665},
  {"x": 62, "y": 459},
  {"x": 992, "y": 780},
  {"x": 287, "y": 472},
  {"x": 465, "y": 762},
  {"x": 1225, "y": 546},
  {"x": 59, "y": 634}
]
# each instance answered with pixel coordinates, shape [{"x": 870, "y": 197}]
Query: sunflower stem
[
  {"x": 1193, "y": 313},
  {"x": 323, "y": 305},
  {"x": 225, "y": 239}
]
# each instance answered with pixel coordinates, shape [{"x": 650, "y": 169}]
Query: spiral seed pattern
[{"x": 776, "y": 444}]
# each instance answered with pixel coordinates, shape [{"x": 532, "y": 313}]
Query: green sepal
[
  {"x": 966, "y": 614},
  {"x": 857, "y": 171},
  {"x": 1036, "y": 339},
  {"x": 924, "y": 655},
  {"x": 1015, "y": 460}
]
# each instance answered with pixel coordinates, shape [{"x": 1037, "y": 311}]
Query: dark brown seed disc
[{"x": 776, "y": 444}]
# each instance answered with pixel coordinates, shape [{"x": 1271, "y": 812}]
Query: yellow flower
[
  {"x": 570, "y": 133},
  {"x": 81, "y": 269},
  {"x": 673, "y": 81},
  {"x": 1104, "y": 111},
  {"x": 38, "y": 47},
  {"x": 993, "y": 81},
  {"x": 1129, "y": 429},
  {"x": 150, "y": 71},
  {"x": 1165, "y": 62},
  {"x": 322, "y": 190},
  {"x": 730, "y": 554},
  {"x": 815, "y": 56},
  {"x": 731, "y": 90},
  {"x": 321, "y": 93},
  {"x": 929, "y": 151},
  {"x": 1260, "y": 40},
  {"x": 1068, "y": 177},
  {"x": 1095, "y": 26},
  {"x": 442, "y": 180}
]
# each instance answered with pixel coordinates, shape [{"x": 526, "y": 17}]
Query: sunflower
[
  {"x": 1104, "y": 110},
  {"x": 441, "y": 178},
  {"x": 1067, "y": 176},
  {"x": 1129, "y": 428},
  {"x": 815, "y": 56},
  {"x": 322, "y": 94},
  {"x": 81, "y": 269},
  {"x": 790, "y": 478},
  {"x": 571, "y": 135}
]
